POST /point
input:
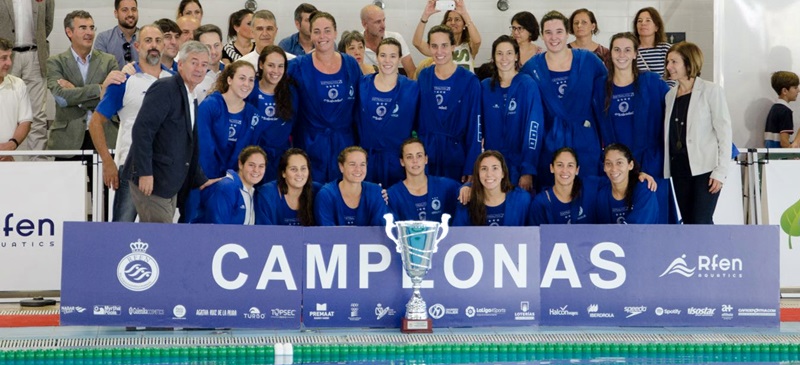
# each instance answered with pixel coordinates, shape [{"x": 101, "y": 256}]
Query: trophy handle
[
  {"x": 389, "y": 225},
  {"x": 445, "y": 228}
]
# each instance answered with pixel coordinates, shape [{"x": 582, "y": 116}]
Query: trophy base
[{"x": 417, "y": 326}]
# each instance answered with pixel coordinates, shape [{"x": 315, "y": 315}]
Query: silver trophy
[{"x": 416, "y": 241}]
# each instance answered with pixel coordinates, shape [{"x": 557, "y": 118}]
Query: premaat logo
[
  {"x": 321, "y": 312},
  {"x": 138, "y": 271}
]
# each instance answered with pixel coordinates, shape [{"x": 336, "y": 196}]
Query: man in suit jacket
[
  {"x": 27, "y": 23},
  {"x": 77, "y": 78},
  {"x": 162, "y": 162}
]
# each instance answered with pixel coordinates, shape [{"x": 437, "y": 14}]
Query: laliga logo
[{"x": 138, "y": 271}]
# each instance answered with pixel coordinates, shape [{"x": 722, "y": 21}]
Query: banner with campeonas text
[
  {"x": 36, "y": 198},
  {"x": 660, "y": 275},
  {"x": 128, "y": 274},
  {"x": 176, "y": 275},
  {"x": 480, "y": 276},
  {"x": 781, "y": 207}
]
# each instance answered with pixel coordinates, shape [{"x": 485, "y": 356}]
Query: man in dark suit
[
  {"x": 27, "y": 23},
  {"x": 162, "y": 163},
  {"x": 77, "y": 78}
]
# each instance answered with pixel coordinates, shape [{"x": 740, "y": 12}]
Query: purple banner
[
  {"x": 137, "y": 274},
  {"x": 478, "y": 278},
  {"x": 660, "y": 275},
  {"x": 167, "y": 275}
]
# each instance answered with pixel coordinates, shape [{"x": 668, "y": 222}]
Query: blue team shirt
[
  {"x": 622, "y": 110},
  {"x": 560, "y": 80},
  {"x": 272, "y": 133},
  {"x": 495, "y": 215}
]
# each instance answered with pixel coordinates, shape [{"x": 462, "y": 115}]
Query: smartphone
[{"x": 444, "y": 5}]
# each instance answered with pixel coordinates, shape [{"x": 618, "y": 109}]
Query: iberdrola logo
[
  {"x": 790, "y": 222},
  {"x": 138, "y": 271}
]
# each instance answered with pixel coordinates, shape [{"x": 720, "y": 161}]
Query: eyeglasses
[
  {"x": 127, "y": 48},
  {"x": 515, "y": 29}
]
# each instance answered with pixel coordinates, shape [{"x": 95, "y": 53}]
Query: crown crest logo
[{"x": 139, "y": 246}]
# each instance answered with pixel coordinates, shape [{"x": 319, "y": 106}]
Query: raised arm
[
  {"x": 417, "y": 40},
  {"x": 474, "y": 35}
]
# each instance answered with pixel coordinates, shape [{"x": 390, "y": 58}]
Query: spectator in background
[
  {"x": 373, "y": 20},
  {"x": 467, "y": 39},
  {"x": 300, "y": 43},
  {"x": 649, "y": 30},
  {"x": 76, "y": 90},
  {"x": 119, "y": 40},
  {"x": 240, "y": 36},
  {"x": 16, "y": 115},
  {"x": 187, "y": 24},
  {"x": 191, "y": 8},
  {"x": 352, "y": 43},
  {"x": 264, "y": 31},
  {"x": 211, "y": 36},
  {"x": 172, "y": 34},
  {"x": 27, "y": 26},
  {"x": 583, "y": 25},
  {"x": 780, "y": 122},
  {"x": 697, "y": 157},
  {"x": 525, "y": 30},
  {"x": 125, "y": 100}
]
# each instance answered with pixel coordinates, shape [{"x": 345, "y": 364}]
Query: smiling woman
[
  {"x": 494, "y": 201},
  {"x": 224, "y": 121},
  {"x": 350, "y": 201},
  {"x": 230, "y": 200},
  {"x": 329, "y": 80}
]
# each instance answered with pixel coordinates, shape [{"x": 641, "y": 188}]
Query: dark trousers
[{"x": 696, "y": 204}]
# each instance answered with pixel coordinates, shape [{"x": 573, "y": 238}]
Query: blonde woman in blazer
[{"x": 697, "y": 138}]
